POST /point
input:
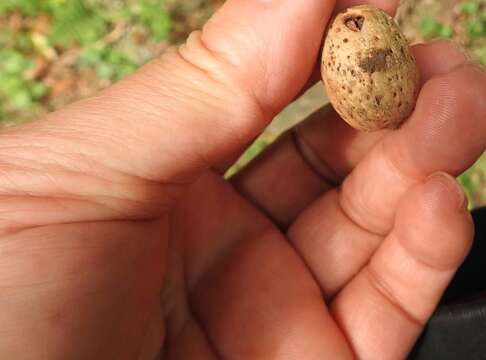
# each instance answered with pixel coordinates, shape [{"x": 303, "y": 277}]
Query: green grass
[
  {"x": 83, "y": 25},
  {"x": 468, "y": 27},
  {"x": 474, "y": 183}
]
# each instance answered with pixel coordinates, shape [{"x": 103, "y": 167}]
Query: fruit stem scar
[{"x": 354, "y": 22}]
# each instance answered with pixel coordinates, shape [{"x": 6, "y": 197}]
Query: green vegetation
[
  {"x": 253, "y": 151},
  {"x": 432, "y": 28},
  {"x": 16, "y": 90},
  {"x": 41, "y": 32},
  {"x": 475, "y": 13},
  {"x": 467, "y": 25}
]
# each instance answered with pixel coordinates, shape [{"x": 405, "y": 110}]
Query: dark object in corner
[{"x": 458, "y": 328}]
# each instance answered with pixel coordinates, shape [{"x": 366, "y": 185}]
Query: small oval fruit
[{"x": 370, "y": 75}]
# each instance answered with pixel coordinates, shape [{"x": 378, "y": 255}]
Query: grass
[{"x": 36, "y": 35}]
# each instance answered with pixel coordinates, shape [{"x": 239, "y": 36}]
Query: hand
[{"x": 120, "y": 239}]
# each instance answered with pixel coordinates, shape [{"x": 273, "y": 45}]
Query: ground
[{"x": 56, "y": 51}]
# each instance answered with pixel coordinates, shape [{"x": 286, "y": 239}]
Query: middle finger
[
  {"x": 337, "y": 235},
  {"x": 318, "y": 154}
]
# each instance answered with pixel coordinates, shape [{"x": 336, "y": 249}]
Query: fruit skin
[{"x": 370, "y": 75}]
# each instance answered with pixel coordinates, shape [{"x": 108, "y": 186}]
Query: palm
[
  {"x": 244, "y": 287},
  {"x": 249, "y": 290},
  {"x": 230, "y": 275}
]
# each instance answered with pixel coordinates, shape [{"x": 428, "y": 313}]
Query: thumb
[{"x": 203, "y": 101}]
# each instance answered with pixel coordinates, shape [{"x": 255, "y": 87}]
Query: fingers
[
  {"x": 446, "y": 132},
  {"x": 201, "y": 103},
  {"x": 395, "y": 294},
  {"x": 268, "y": 51},
  {"x": 260, "y": 302},
  {"x": 332, "y": 239},
  {"x": 438, "y": 58},
  {"x": 333, "y": 246},
  {"x": 293, "y": 172},
  {"x": 247, "y": 288},
  {"x": 322, "y": 151}
]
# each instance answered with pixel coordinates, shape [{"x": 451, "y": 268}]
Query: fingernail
[{"x": 447, "y": 187}]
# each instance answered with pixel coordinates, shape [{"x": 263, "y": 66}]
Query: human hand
[{"x": 121, "y": 239}]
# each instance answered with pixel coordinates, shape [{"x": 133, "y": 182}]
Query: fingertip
[
  {"x": 389, "y": 6},
  {"x": 434, "y": 224},
  {"x": 273, "y": 45},
  {"x": 443, "y": 192},
  {"x": 438, "y": 57},
  {"x": 446, "y": 131}
]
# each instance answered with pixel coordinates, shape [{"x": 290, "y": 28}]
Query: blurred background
[{"x": 53, "y": 52}]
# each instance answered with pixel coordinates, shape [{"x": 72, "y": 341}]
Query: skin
[{"x": 120, "y": 239}]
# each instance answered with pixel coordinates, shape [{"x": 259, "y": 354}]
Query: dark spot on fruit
[
  {"x": 349, "y": 56},
  {"x": 350, "y": 91},
  {"x": 353, "y": 72},
  {"x": 345, "y": 41},
  {"x": 377, "y": 60},
  {"x": 376, "y": 38},
  {"x": 378, "y": 99},
  {"x": 395, "y": 94},
  {"x": 354, "y": 22}
]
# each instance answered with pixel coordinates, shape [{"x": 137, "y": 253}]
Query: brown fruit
[{"x": 370, "y": 75}]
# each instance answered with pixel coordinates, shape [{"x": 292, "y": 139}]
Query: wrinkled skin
[{"x": 120, "y": 239}]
